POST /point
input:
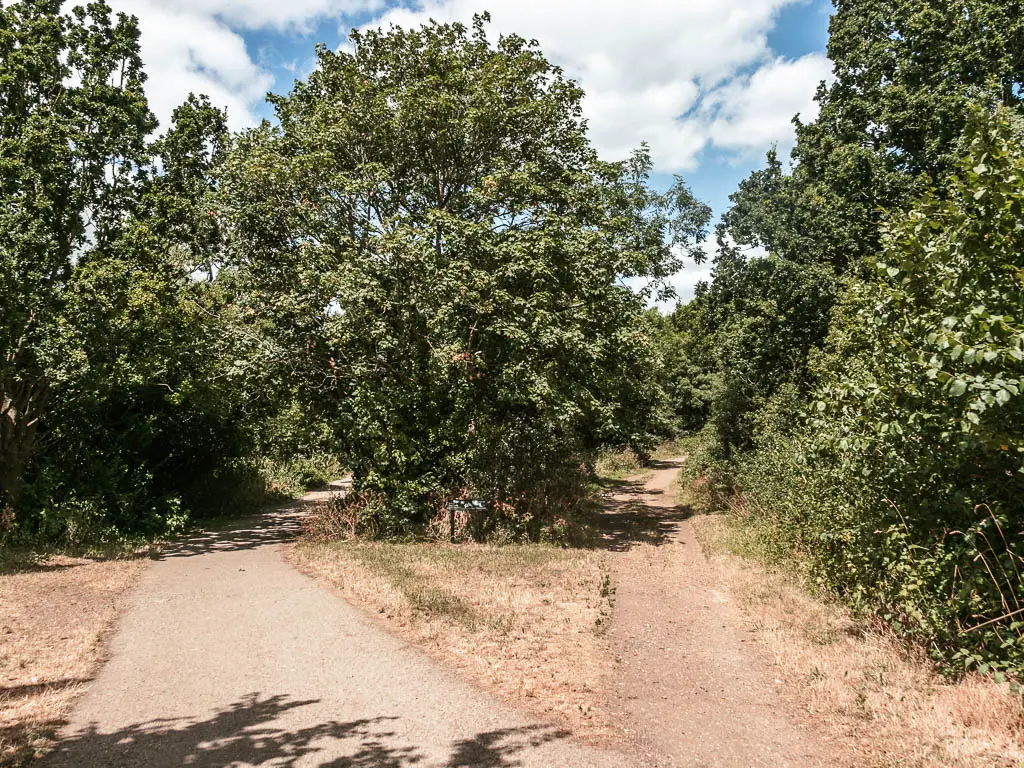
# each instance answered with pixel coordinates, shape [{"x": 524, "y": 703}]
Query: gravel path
[
  {"x": 692, "y": 683},
  {"x": 229, "y": 657}
]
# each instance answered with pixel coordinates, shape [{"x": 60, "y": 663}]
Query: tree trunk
[{"x": 21, "y": 404}]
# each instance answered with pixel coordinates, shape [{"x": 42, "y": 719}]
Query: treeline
[
  {"x": 416, "y": 270},
  {"x": 858, "y": 389}
]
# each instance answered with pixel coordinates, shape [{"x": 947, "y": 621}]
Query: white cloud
[
  {"x": 682, "y": 75},
  {"x": 750, "y": 113},
  {"x": 195, "y": 46},
  {"x": 679, "y": 74}
]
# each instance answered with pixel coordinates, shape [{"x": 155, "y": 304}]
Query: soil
[{"x": 692, "y": 688}]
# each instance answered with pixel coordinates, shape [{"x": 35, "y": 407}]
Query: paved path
[
  {"x": 229, "y": 657},
  {"x": 692, "y": 682}
]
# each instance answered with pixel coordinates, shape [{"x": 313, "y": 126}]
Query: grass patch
[
  {"x": 56, "y": 612},
  {"x": 525, "y": 621},
  {"x": 618, "y": 465},
  {"x": 672, "y": 449}
]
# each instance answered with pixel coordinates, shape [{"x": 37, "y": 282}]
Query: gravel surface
[{"x": 230, "y": 657}]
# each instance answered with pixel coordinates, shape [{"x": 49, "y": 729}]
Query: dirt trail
[
  {"x": 229, "y": 657},
  {"x": 690, "y": 680}
]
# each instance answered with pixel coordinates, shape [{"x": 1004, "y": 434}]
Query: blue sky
[{"x": 709, "y": 84}]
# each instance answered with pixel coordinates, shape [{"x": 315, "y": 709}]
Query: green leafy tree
[
  {"x": 907, "y": 501},
  {"x": 906, "y": 75},
  {"x": 434, "y": 239},
  {"x": 73, "y": 121},
  {"x": 142, "y": 413}
]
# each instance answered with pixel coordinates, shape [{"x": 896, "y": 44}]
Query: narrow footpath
[
  {"x": 230, "y": 657},
  {"x": 692, "y": 687}
]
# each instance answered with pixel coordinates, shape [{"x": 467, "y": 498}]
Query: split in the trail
[{"x": 229, "y": 656}]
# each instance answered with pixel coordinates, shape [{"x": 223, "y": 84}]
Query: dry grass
[
  {"x": 863, "y": 687},
  {"x": 524, "y": 621},
  {"x": 53, "y": 620},
  {"x": 618, "y": 465}
]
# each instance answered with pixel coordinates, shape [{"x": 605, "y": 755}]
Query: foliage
[
  {"x": 617, "y": 464},
  {"x": 73, "y": 121},
  {"x": 889, "y": 128},
  {"x": 902, "y": 491},
  {"x": 120, "y": 406},
  {"x": 864, "y": 375},
  {"x": 930, "y": 416},
  {"x": 906, "y": 75},
  {"x": 431, "y": 238}
]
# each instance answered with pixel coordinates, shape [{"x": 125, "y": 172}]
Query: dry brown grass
[
  {"x": 53, "y": 618},
  {"x": 524, "y": 621},
  {"x": 862, "y": 687}
]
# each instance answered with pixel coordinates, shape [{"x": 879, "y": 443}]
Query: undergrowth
[{"x": 954, "y": 589}]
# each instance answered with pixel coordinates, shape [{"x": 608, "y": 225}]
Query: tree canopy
[{"x": 429, "y": 230}]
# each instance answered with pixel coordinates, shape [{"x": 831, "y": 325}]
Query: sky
[{"x": 710, "y": 85}]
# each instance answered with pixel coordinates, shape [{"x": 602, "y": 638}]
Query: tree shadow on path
[
  {"x": 632, "y": 514},
  {"x": 249, "y": 733}
]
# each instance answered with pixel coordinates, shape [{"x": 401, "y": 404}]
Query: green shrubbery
[
  {"x": 901, "y": 488},
  {"x": 858, "y": 352},
  {"x": 430, "y": 237}
]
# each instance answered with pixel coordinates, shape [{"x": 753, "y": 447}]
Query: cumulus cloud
[
  {"x": 196, "y": 46},
  {"x": 682, "y": 75},
  {"x": 753, "y": 111},
  {"x": 679, "y": 74}
]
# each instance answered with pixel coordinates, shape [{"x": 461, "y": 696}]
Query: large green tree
[
  {"x": 889, "y": 126},
  {"x": 435, "y": 239},
  {"x": 907, "y": 74},
  {"x": 73, "y": 122}
]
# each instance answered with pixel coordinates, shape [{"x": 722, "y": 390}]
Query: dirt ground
[
  {"x": 883, "y": 702},
  {"x": 692, "y": 687},
  {"x": 634, "y": 642},
  {"x": 54, "y": 618}
]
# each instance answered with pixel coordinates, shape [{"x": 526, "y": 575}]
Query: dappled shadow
[
  {"x": 496, "y": 749},
  {"x": 265, "y": 529},
  {"x": 244, "y": 733},
  {"x": 632, "y": 514},
  {"x": 250, "y": 732},
  {"x": 15, "y": 562},
  {"x": 248, "y": 533}
]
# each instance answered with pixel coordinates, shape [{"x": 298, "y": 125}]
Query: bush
[
  {"x": 617, "y": 463},
  {"x": 900, "y": 490}
]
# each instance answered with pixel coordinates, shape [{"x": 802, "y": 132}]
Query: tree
[
  {"x": 920, "y": 405},
  {"x": 73, "y": 121},
  {"x": 432, "y": 235},
  {"x": 906, "y": 75}
]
